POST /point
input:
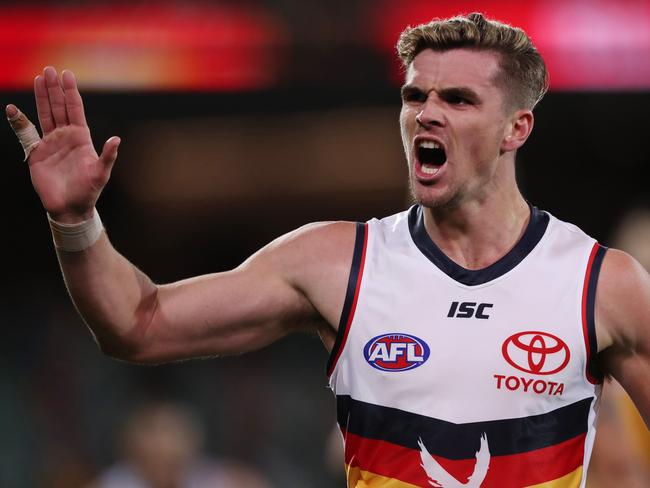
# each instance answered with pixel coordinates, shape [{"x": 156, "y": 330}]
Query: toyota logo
[{"x": 536, "y": 352}]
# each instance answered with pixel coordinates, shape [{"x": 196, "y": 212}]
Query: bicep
[
  {"x": 623, "y": 310},
  {"x": 222, "y": 313},
  {"x": 295, "y": 283}
]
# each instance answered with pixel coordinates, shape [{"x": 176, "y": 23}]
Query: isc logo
[
  {"x": 396, "y": 352},
  {"x": 467, "y": 310}
]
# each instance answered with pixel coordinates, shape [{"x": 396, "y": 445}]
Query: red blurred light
[
  {"x": 168, "y": 46},
  {"x": 587, "y": 45}
]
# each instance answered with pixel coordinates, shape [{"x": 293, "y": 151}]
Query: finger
[
  {"x": 73, "y": 104},
  {"x": 43, "y": 105},
  {"x": 17, "y": 120},
  {"x": 55, "y": 92},
  {"x": 24, "y": 129},
  {"x": 11, "y": 111},
  {"x": 109, "y": 152}
]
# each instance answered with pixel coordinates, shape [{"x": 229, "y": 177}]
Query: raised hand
[{"x": 66, "y": 171}]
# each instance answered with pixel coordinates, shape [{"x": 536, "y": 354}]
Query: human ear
[{"x": 518, "y": 130}]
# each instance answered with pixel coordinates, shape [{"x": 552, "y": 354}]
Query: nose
[{"x": 430, "y": 116}]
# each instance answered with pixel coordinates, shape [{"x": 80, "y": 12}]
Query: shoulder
[
  {"x": 327, "y": 243},
  {"x": 327, "y": 240},
  {"x": 623, "y": 310},
  {"x": 570, "y": 232},
  {"x": 623, "y": 301},
  {"x": 315, "y": 260},
  {"x": 313, "y": 251}
]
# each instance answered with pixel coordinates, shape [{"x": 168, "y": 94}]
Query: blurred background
[{"x": 241, "y": 120}]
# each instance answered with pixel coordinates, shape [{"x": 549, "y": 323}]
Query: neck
[{"x": 478, "y": 233}]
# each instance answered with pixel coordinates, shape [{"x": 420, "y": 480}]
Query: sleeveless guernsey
[{"x": 449, "y": 377}]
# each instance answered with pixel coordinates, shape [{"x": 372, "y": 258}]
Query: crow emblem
[{"x": 439, "y": 478}]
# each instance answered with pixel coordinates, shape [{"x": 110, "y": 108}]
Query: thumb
[
  {"x": 109, "y": 152},
  {"x": 23, "y": 128}
]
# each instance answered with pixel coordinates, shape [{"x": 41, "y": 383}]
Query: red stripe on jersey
[
  {"x": 510, "y": 471},
  {"x": 354, "y": 301},
  {"x": 585, "y": 330}
]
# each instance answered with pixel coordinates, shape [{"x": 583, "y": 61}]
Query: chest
[{"x": 422, "y": 342}]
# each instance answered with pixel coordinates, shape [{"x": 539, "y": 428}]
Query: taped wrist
[{"x": 76, "y": 237}]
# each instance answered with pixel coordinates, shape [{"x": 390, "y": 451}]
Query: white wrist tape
[
  {"x": 27, "y": 136},
  {"x": 76, "y": 237}
]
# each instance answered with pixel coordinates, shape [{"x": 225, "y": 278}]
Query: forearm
[{"x": 116, "y": 300}]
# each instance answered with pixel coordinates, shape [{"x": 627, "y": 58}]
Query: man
[{"x": 468, "y": 335}]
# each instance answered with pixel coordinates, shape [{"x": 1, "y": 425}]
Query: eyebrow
[
  {"x": 462, "y": 92},
  {"x": 456, "y": 91},
  {"x": 409, "y": 89}
]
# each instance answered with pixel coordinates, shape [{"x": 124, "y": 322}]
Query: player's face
[{"x": 453, "y": 123}]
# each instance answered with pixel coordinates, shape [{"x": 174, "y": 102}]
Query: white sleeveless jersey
[{"x": 451, "y": 377}]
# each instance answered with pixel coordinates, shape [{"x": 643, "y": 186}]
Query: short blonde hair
[{"x": 523, "y": 76}]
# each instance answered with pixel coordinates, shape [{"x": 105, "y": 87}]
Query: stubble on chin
[{"x": 448, "y": 201}]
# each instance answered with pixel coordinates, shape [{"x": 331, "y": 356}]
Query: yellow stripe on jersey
[
  {"x": 571, "y": 480},
  {"x": 358, "y": 478}
]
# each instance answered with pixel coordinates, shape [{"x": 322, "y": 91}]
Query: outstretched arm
[
  {"x": 623, "y": 322},
  {"x": 265, "y": 298},
  {"x": 291, "y": 284}
]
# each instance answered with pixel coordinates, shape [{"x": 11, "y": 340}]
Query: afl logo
[
  {"x": 396, "y": 352},
  {"x": 536, "y": 352}
]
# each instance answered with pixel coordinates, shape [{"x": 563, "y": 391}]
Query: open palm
[{"x": 66, "y": 171}]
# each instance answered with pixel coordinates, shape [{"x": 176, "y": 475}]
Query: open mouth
[{"x": 431, "y": 156}]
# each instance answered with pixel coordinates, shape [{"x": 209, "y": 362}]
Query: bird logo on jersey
[{"x": 440, "y": 478}]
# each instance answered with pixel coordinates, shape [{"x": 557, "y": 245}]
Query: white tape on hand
[
  {"x": 76, "y": 237},
  {"x": 26, "y": 132}
]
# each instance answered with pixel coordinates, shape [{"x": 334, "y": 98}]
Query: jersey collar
[{"x": 532, "y": 235}]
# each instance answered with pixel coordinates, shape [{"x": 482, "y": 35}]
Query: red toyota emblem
[{"x": 536, "y": 352}]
